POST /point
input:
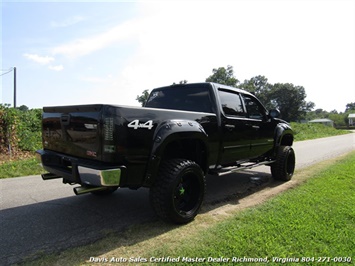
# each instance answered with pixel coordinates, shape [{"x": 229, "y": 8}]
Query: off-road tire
[
  {"x": 178, "y": 191},
  {"x": 285, "y": 163}
]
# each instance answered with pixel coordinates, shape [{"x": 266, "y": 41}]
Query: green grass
[
  {"x": 314, "y": 220},
  {"x": 313, "y": 131},
  {"x": 20, "y": 168}
]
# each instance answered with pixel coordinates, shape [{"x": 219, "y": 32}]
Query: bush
[
  {"x": 20, "y": 130},
  {"x": 8, "y": 128},
  {"x": 314, "y": 131},
  {"x": 29, "y": 133}
]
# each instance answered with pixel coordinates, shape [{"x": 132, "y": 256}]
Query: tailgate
[{"x": 73, "y": 130}]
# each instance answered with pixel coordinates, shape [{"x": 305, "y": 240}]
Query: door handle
[
  {"x": 229, "y": 127},
  {"x": 252, "y": 126}
]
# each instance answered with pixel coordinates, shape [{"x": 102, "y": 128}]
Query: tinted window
[
  {"x": 231, "y": 103},
  {"x": 254, "y": 109},
  {"x": 189, "y": 98}
]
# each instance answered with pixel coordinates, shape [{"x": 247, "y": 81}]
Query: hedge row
[{"x": 20, "y": 130}]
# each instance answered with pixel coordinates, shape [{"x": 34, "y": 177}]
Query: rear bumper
[
  {"x": 80, "y": 171},
  {"x": 100, "y": 177}
]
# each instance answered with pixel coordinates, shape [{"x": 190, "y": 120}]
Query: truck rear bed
[
  {"x": 74, "y": 130},
  {"x": 105, "y": 137}
]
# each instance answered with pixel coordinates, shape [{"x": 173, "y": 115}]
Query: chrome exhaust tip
[{"x": 84, "y": 190}]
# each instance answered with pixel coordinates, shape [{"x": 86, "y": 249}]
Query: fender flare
[
  {"x": 166, "y": 133},
  {"x": 283, "y": 135}
]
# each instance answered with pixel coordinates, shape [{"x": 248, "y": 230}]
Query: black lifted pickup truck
[{"x": 183, "y": 133}]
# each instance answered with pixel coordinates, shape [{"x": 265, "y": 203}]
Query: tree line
[{"x": 288, "y": 98}]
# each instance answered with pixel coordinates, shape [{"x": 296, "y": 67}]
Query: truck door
[
  {"x": 236, "y": 135},
  {"x": 260, "y": 126}
]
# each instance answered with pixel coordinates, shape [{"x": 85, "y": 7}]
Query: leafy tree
[
  {"x": 143, "y": 98},
  {"x": 321, "y": 113},
  {"x": 350, "y": 106},
  {"x": 181, "y": 82},
  {"x": 318, "y": 113},
  {"x": 290, "y": 100},
  {"x": 338, "y": 119},
  {"x": 23, "y": 108},
  {"x": 260, "y": 87},
  {"x": 223, "y": 76}
]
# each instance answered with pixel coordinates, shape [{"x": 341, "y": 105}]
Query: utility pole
[{"x": 14, "y": 87}]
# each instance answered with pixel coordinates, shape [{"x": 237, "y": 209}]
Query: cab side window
[
  {"x": 254, "y": 109},
  {"x": 231, "y": 103}
]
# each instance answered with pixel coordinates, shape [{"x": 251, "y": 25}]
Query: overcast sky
[{"x": 73, "y": 52}]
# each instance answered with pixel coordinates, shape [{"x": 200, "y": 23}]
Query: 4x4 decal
[{"x": 135, "y": 124}]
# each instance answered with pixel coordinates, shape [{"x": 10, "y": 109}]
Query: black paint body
[{"x": 206, "y": 128}]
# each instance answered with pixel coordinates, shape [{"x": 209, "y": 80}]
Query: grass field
[
  {"x": 25, "y": 167},
  {"x": 313, "y": 223},
  {"x": 316, "y": 220},
  {"x": 314, "y": 131}
]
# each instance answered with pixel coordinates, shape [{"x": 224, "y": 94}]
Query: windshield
[{"x": 188, "y": 98}]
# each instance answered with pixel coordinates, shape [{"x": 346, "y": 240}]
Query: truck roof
[{"x": 212, "y": 84}]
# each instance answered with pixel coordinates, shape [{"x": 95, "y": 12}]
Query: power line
[{"x": 8, "y": 71}]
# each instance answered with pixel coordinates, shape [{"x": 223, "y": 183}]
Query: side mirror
[{"x": 274, "y": 113}]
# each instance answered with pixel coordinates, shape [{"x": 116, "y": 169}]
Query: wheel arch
[
  {"x": 191, "y": 148},
  {"x": 283, "y": 135},
  {"x": 181, "y": 139}
]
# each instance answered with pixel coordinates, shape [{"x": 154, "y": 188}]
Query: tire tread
[{"x": 160, "y": 192}]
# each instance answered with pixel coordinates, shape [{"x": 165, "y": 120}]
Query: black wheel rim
[{"x": 187, "y": 194}]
